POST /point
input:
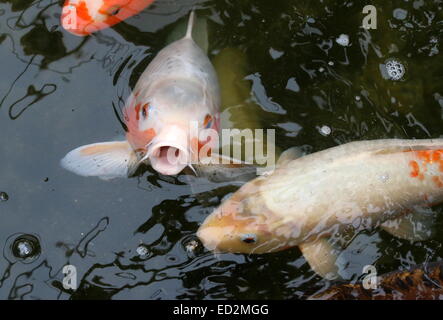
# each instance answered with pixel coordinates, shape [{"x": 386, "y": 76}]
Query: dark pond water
[{"x": 57, "y": 92}]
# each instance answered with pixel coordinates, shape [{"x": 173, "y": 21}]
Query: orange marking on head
[
  {"x": 149, "y": 134},
  {"x": 206, "y": 120},
  {"x": 137, "y": 111},
  {"x": 415, "y": 169},
  {"x": 83, "y": 11}
]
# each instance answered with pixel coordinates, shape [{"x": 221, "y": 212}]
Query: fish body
[
  {"x": 176, "y": 97},
  {"x": 83, "y": 17},
  {"x": 348, "y": 188},
  {"x": 419, "y": 283}
]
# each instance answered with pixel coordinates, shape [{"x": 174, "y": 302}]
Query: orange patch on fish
[
  {"x": 97, "y": 149},
  {"x": 111, "y": 20},
  {"x": 424, "y": 155},
  {"x": 228, "y": 217},
  {"x": 436, "y": 156},
  {"x": 427, "y": 158},
  {"x": 149, "y": 134},
  {"x": 83, "y": 11},
  {"x": 137, "y": 111},
  {"x": 415, "y": 168}
]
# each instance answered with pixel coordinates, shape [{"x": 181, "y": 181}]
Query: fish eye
[
  {"x": 248, "y": 238},
  {"x": 208, "y": 121},
  {"x": 114, "y": 10},
  {"x": 145, "y": 110}
]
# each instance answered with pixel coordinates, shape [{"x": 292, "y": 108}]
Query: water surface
[{"x": 58, "y": 91}]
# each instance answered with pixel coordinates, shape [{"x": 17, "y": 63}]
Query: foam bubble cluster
[
  {"x": 343, "y": 40},
  {"x": 325, "y": 130},
  {"x": 396, "y": 70}
]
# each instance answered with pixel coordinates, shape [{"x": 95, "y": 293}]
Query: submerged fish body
[
  {"x": 177, "y": 93},
  {"x": 419, "y": 283},
  {"x": 83, "y": 17},
  {"x": 349, "y": 188}
]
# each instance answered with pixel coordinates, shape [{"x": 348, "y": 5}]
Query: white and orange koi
[
  {"x": 308, "y": 201},
  {"x": 178, "y": 89},
  {"x": 83, "y": 17}
]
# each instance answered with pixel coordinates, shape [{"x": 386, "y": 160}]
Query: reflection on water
[{"x": 58, "y": 91}]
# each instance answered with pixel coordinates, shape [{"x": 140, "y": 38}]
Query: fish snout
[
  {"x": 216, "y": 238},
  {"x": 168, "y": 152}
]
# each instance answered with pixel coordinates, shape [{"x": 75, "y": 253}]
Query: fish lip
[
  {"x": 210, "y": 245},
  {"x": 168, "y": 164}
]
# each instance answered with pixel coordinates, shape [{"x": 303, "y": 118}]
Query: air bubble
[
  {"x": 343, "y": 40},
  {"x": 4, "y": 197},
  {"x": 325, "y": 130},
  {"x": 395, "y": 69},
  {"x": 191, "y": 246},
  {"x": 384, "y": 178},
  {"x": 400, "y": 14},
  {"x": 142, "y": 250},
  {"x": 22, "y": 247}
]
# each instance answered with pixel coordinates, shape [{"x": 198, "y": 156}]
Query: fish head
[
  {"x": 243, "y": 224},
  {"x": 83, "y": 17},
  {"x": 172, "y": 125}
]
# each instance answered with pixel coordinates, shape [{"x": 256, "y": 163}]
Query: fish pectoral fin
[
  {"x": 322, "y": 257},
  {"x": 226, "y": 173},
  {"x": 106, "y": 160},
  {"x": 289, "y": 155},
  {"x": 219, "y": 168},
  {"x": 416, "y": 226}
]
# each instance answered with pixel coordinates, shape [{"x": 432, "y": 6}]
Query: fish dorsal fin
[
  {"x": 322, "y": 257},
  {"x": 106, "y": 160},
  {"x": 289, "y": 155},
  {"x": 190, "y": 25},
  {"x": 416, "y": 226},
  {"x": 200, "y": 33}
]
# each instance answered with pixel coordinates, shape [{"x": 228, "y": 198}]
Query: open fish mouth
[{"x": 167, "y": 158}]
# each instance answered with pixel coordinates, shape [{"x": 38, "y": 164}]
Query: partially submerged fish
[
  {"x": 307, "y": 201},
  {"x": 83, "y": 17},
  {"x": 419, "y": 283},
  {"x": 177, "y": 93}
]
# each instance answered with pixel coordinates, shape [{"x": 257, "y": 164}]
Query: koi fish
[
  {"x": 310, "y": 200},
  {"x": 83, "y": 17},
  {"x": 179, "y": 89},
  {"x": 419, "y": 283}
]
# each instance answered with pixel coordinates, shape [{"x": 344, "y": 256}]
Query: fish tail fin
[{"x": 190, "y": 25}]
